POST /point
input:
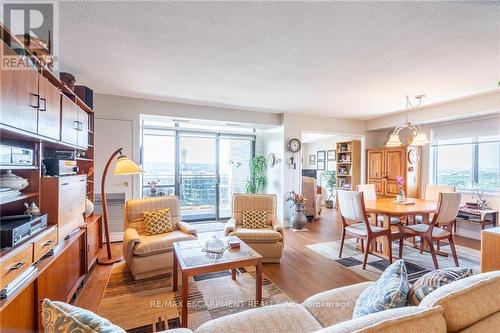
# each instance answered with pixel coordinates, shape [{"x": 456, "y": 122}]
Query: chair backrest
[
  {"x": 369, "y": 192},
  {"x": 352, "y": 207},
  {"x": 447, "y": 210},
  {"x": 309, "y": 189},
  {"x": 135, "y": 208},
  {"x": 432, "y": 191},
  {"x": 242, "y": 201}
]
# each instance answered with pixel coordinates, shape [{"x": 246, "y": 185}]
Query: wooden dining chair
[
  {"x": 370, "y": 193},
  {"x": 446, "y": 214},
  {"x": 352, "y": 209}
]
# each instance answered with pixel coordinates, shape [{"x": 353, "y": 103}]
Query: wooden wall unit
[
  {"x": 348, "y": 164},
  {"x": 34, "y": 114},
  {"x": 385, "y": 164}
]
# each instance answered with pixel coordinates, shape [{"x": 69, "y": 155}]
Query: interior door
[
  {"x": 394, "y": 166},
  {"x": 197, "y": 176},
  {"x": 376, "y": 170},
  {"x": 49, "y": 112},
  {"x": 109, "y": 135}
]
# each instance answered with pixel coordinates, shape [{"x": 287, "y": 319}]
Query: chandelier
[{"x": 419, "y": 137}]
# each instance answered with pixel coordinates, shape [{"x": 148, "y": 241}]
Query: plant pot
[
  {"x": 329, "y": 204},
  {"x": 298, "y": 217}
]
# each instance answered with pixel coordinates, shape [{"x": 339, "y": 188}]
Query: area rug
[
  {"x": 150, "y": 305},
  {"x": 416, "y": 264}
]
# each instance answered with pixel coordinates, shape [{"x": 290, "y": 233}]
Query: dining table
[{"x": 390, "y": 208}]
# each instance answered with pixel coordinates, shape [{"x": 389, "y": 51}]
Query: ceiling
[{"x": 346, "y": 59}]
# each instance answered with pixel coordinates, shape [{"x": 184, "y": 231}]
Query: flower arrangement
[
  {"x": 401, "y": 196},
  {"x": 296, "y": 198},
  {"x": 400, "y": 180}
]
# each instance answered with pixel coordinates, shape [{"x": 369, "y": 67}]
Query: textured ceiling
[{"x": 346, "y": 59}]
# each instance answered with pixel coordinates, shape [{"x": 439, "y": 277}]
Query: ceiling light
[{"x": 419, "y": 137}]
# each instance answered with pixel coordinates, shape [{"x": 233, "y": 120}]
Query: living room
[{"x": 250, "y": 166}]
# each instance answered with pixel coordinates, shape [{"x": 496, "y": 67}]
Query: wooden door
[
  {"x": 83, "y": 130},
  {"x": 69, "y": 121},
  {"x": 394, "y": 163},
  {"x": 49, "y": 112},
  {"x": 20, "y": 315},
  {"x": 375, "y": 170},
  {"x": 92, "y": 235},
  {"x": 19, "y": 93}
]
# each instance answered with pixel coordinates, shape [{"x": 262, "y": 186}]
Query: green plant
[
  {"x": 257, "y": 181},
  {"x": 330, "y": 178}
]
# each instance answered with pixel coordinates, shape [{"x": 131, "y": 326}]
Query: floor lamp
[{"x": 124, "y": 166}]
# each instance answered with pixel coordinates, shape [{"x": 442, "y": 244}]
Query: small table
[
  {"x": 191, "y": 260},
  {"x": 388, "y": 207},
  {"x": 480, "y": 215}
]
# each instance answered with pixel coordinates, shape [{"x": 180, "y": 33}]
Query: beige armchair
[
  {"x": 152, "y": 255},
  {"x": 313, "y": 200},
  {"x": 268, "y": 242}
]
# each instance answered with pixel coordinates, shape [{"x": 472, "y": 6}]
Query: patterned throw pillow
[
  {"x": 389, "y": 291},
  {"x": 255, "y": 219},
  {"x": 59, "y": 317},
  {"x": 433, "y": 280},
  {"x": 158, "y": 221}
]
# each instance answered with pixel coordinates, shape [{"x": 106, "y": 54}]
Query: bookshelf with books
[{"x": 348, "y": 164}]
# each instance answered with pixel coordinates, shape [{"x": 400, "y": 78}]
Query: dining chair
[
  {"x": 352, "y": 209},
  {"x": 432, "y": 191},
  {"x": 446, "y": 214},
  {"x": 370, "y": 193}
]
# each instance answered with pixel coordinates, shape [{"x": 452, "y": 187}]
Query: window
[{"x": 462, "y": 163}]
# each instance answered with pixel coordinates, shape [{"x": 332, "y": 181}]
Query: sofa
[
  {"x": 145, "y": 255},
  {"x": 313, "y": 199},
  {"x": 269, "y": 241}
]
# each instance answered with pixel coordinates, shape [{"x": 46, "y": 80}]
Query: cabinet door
[
  {"x": 49, "y": 112},
  {"x": 376, "y": 170},
  {"x": 19, "y": 93},
  {"x": 69, "y": 121},
  {"x": 83, "y": 129},
  {"x": 394, "y": 166},
  {"x": 92, "y": 244}
]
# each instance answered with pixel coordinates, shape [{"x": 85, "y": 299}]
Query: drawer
[
  {"x": 45, "y": 244},
  {"x": 14, "y": 265}
]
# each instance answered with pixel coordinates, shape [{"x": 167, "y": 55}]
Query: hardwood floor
[{"x": 300, "y": 274}]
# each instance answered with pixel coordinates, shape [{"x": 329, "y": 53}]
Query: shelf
[
  {"x": 22, "y": 196},
  {"x": 344, "y": 176},
  {"x": 346, "y": 163},
  {"x": 84, "y": 159},
  {"x": 18, "y": 167}
]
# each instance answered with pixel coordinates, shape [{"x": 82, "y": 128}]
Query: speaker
[{"x": 86, "y": 95}]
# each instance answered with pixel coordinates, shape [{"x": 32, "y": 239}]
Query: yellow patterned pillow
[
  {"x": 158, "y": 221},
  {"x": 254, "y": 219}
]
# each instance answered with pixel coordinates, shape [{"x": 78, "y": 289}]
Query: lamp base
[{"x": 107, "y": 261}]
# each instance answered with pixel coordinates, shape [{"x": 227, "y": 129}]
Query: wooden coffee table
[{"x": 191, "y": 261}]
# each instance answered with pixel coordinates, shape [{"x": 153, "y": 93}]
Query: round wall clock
[
  {"x": 413, "y": 156},
  {"x": 294, "y": 145}
]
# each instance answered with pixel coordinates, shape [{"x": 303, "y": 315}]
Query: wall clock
[
  {"x": 294, "y": 145},
  {"x": 413, "y": 156}
]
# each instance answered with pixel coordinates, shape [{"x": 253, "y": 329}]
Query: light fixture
[
  {"x": 124, "y": 166},
  {"x": 419, "y": 137}
]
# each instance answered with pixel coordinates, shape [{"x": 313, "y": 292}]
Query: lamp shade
[
  {"x": 394, "y": 141},
  {"x": 420, "y": 140},
  {"x": 125, "y": 166}
]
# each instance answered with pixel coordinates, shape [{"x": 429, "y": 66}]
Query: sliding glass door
[{"x": 202, "y": 169}]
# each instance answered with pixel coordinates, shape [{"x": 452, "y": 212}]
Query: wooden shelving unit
[{"x": 348, "y": 164}]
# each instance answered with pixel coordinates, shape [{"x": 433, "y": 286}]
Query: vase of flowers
[
  {"x": 298, "y": 217},
  {"x": 401, "y": 197}
]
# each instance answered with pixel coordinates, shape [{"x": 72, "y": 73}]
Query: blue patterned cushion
[
  {"x": 59, "y": 317},
  {"x": 389, "y": 291},
  {"x": 433, "y": 280}
]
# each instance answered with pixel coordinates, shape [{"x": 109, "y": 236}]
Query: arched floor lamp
[{"x": 124, "y": 166}]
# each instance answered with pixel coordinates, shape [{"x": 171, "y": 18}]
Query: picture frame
[
  {"x": 331, "y": 165},
  {"x": 320, "y": 165},
  {"x": 321, "y": 155},
  {"x": 331, "y": 155},
  {"x": 312, "y": 159}
]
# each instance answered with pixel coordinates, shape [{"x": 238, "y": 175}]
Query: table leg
[
  {"x": 174, "y": 272},
  {"x": 233, "y": 274},
  {"x": 184, "y": 310},
  {"x": 258, "y": 282},
  {"x": 383, "y": 240},
  {"x": 373, "y": 221}
]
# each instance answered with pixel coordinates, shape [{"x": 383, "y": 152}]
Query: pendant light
[{"x": 419, "y": 137}]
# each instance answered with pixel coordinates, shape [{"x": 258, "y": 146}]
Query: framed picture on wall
[
  {"x": 331, "y": 165},
  {"x": 321, "y": 165},
  {"x": 321, "y": 155},
  {"x": 330, "y": 155},
  {"x": 312, "y": 159}
]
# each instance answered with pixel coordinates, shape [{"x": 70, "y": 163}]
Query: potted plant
[
  {"x": 257, "y": 181},
  {"x": 330, "y": 178}
]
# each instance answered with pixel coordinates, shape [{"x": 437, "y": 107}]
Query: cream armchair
[
  {"x": 313, "y": 200},
  {"x": 152, "y": 255},
  {"x": 268, "y": 242}
]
